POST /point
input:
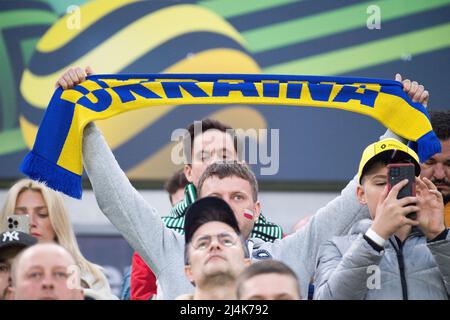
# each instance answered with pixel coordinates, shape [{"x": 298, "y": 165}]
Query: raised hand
[
  {"x": 431, "y": 208},
  {"x": 414, "y": 90},
  {"x": 391, "y": 212},
  {"x": 73, "y": 76}
]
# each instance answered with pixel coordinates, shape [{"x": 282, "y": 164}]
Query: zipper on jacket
[{"x": 401, "y": 266}]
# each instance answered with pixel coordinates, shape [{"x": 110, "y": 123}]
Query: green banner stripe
[
  {"x": 28, "y": 46},
  {"x": 231, "y": 8},
  {"x": 15, "y": 19},
  {"x": 368, "y": 54},
  {"x": 327, "y": 23},
  {"x": 8, "y": 101},
  {"x": 9, "y": 19},
  {"x": 11, "y": 141}
]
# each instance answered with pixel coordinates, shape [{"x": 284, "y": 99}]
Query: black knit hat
[{"x": 205, "y": 210}]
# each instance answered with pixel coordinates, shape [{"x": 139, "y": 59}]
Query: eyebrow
[
  {"x": 382, "y": 176},
  {"x": 225, "y": 233},
  {"x": 34, "y": 267},
  {"x": 239, "y": 191},
  {"x": 59, "y": 268},
  {"x": 38, "y": 208}
]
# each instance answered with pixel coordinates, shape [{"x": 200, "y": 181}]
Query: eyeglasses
[{"x": 225, "y": 239}]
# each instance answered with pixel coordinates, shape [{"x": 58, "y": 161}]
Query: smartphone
[
  {"x": 18, "y": 222},
  {"x": 398, "y": 172}
]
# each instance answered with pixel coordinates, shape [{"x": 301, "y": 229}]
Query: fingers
[
  {"x": 406, "y": 201},
  {"x": 421, "y": 187},
  {"x": 89, "y": 71},
  {"x": 81, "y": 75},
  {"x": 418, "y": 94},
  {"x": 383, "y": 195},
  {"x": 430, "y": 185},
  {"x": 424, "y": 98},
  {"x": 62, "y": 83},
  {"x": 72, "y": 77},
  {"x": 406, "y": 85},
  {"x": 396, "y": 189},
  {"x": 409, "y": 209},
  {"x": 436, "y": 192},
  {"x": 410, "y": 222},
  {"x": 68, "y": 79},
  {"x": 413, "y": 89},
  {"x": 438, "y": 195}
]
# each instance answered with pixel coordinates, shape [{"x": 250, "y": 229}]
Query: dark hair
[
  {"x": 206, "y": 124},
  {"x": 206, "y": 210},
  {"x": 176, "y": 182},
  {"x": 265, "y": 267},
  {"x": 385, "y": 158},
  {"x": 227, "y": 169},
  {"x": 440, "y": 121}
]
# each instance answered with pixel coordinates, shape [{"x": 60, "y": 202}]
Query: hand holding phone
[
  {"x": 18, "y": 222},
  {"x": 398, "y": 172}
]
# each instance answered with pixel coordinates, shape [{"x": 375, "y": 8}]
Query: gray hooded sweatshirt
[
  {"x": 163, "y": 249},
  {"x": 350, "y": 268}
]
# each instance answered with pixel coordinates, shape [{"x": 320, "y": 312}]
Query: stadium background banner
[{"x": 40, "y": 39}]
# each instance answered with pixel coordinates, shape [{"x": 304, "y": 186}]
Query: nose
[
  {"x": 438, "y": 171},
  {"x": 215, "y": 244},
  {"x": 47, "y": 284},
  {"x": 32, "y": 220},
  {"x": 215, "y": 158}
]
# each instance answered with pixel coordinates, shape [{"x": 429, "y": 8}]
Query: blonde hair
[{"x": 59, "y": 219}]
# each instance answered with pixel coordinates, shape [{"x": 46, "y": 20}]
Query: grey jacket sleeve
[
  {"x": 299, "y": 250},
  {"x": 391, "y": 134},
  {"x": 136, "y": 220},
  {"x": 345, "y": 277},
  {"x": 441, "y": 253}
]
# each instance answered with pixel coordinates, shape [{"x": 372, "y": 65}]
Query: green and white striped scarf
[{"x": 262, "y": 229}]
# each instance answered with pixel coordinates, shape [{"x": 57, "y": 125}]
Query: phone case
[
  {"x": 397, "y": 172},
  {"x": 18, "y": 223}
]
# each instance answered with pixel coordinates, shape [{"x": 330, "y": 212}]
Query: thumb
[
  {"x": 383, "y": 194},
  {"x": 398, "y": 77}
]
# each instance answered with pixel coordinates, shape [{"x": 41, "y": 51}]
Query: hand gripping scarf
[{"x": 56, "y": 157}]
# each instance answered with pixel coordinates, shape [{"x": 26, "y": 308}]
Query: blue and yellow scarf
[{"x": 56, "y": 156}]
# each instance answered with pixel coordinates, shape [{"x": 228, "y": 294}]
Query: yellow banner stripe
[
  {"x": 37, "y": 90},
  {"x": 89, "y": 14}
]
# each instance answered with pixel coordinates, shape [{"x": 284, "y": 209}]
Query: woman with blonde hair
[{"x": 49, "y": 221}]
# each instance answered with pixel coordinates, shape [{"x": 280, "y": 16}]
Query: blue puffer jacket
[{"x": 348, "y": 267}]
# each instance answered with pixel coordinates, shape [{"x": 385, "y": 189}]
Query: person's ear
[
  {"x": 257, "y": 210},
  {"x": 188, "y": 272},
  {"x": 361, "y": 194},
  {"x": 188, "y": 172}
]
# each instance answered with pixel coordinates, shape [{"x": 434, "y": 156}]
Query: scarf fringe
[
  {"x": 426, "y": 146},
  {"x": 52, "y": 175}
]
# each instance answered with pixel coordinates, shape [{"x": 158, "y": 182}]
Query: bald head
[{"x": 45, "y": 271}]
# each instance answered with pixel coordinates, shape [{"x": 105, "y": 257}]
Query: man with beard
[{"x": 437, "y": 168}]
